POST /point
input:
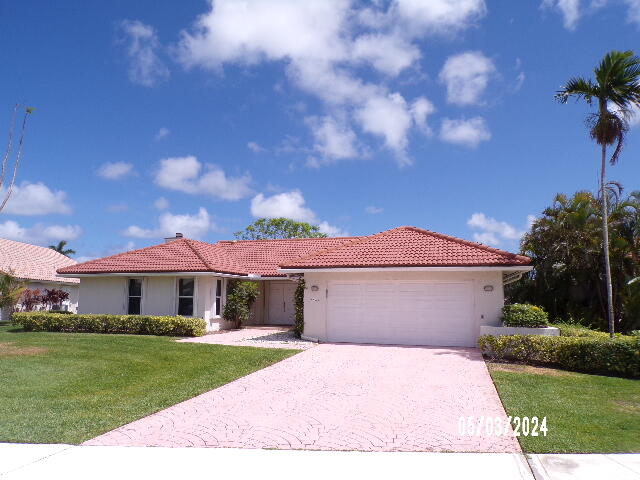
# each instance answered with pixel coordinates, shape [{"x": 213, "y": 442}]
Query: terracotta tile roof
[
  {"x": 31, "y": 262},
  {"x": 408, "y": 247},
  {"x": 404, "y": 246},
  {"x": 265, "y": 256}
]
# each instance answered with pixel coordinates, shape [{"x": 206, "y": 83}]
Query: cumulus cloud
[
  {"x": 573, "y": 10},
  {"x": 569, "y": 9},
  {"x": 192, "y": 226},
  {"x": 421, "y": 108},
  {"x": 468, "y": 133},
  {"x": 35, "y": 199},
  {"x": 141, "y": 47},
  {"x": 490, "y": 231},
  {"x": 322, "y": 47},
  {"x": 188, "y": 175},
  {"x": 163, "y": 132},
  {"x": 333, "y": 140},
  {"x": 115, "y": 170},
  {"x": 290, "y": 205},
  {"x": 39, "y": 234},
  {"x": 466, "y": 76}
]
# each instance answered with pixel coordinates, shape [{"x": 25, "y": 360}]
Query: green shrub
[
  {"x": 607, "y": 356},
  {"x": 575, "y": 330},
  {"x": 240, "y": 297},
  {"x": 524, "y": 315},
  {"x": 92, "y": 323},
  {"x": 298, "y": 297}
]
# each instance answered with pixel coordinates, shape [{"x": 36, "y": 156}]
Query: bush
[
  {"x": 524, "y": 315},
  {"x": 298, "y": 297},
  {"x": 574, "y": 330},
  {"x": 607, "y": 356},
  {"x": 92, "y": 323},
  {"x": 240, "y": 297}
]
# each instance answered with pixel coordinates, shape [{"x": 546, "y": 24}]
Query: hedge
[
  {"x": 524, "y": 315},
  {"x": 607, "y": 356},
  {"x": 92, "y": 323}
]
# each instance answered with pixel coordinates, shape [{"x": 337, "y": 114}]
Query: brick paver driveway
[{"x": 337, "y": 397}]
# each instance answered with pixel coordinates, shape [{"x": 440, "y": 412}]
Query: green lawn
[
  {"x": 585, "y": 413},
  {"x": 67, "y": 388}
]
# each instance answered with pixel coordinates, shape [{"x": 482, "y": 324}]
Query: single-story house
[
  {"x": 403, "y": 286},
  {"x": 37, "y": 267}
]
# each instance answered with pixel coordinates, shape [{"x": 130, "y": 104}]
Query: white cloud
[
  {"x": 163, "y": 132},
  {"x": 145, "y": 67},
  {"x": 390, "y": 118},
  {"x": 573, "y": 10},
  {"x": 186, "y": 174},
  {"x": 35, "y": 199},
  {"x": 192, "y": 226},
  {"x": 115, "y": 170},
  {"x": 633, "y": 115},
  {"x": 39, "y": 233},
  {"x": 322, "y": 48},
  {"x": 569, "y": 9},
  {"x": 255, "y": 147},
  {"x": 333, "y": 141},
  {"x": 290, "y": 205},
  {"x": 390, "y": 54},
  {"x": 494, "y": 232},
  {"x": 421, "y": 108},
  {"x": 468, "y": 133},
  {"x": 466, "y": 76},
  {"x": 440, "y": 16},
  {"x": 161, "y": 203},
  {"x": 373, "y": 210}
]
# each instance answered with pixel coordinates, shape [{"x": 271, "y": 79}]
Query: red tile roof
[
  {"x": 408, "y": 247},
  {"x": 31, "y": 262},
  {"x": 400, "y": 247}
]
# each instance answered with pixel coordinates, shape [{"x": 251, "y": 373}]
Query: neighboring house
[
  {"x": 403, "y": 286},
  {"x": 37, "y": 266}
]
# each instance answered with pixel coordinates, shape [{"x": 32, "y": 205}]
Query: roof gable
[{"x": 408, "y": 247}]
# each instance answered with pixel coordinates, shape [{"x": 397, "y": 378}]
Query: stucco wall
[
  {"x": 157, "y": 295},
  {"x": 102, "y": 295},
  {"x": 486, "y": 305}
]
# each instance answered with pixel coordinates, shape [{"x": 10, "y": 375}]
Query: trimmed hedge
[
  {"x": 576, "y": 330},
  {"x": 524, "y": 315},
  {"x": 607, "y": 356},
  {"x": 92, "y": 323}
]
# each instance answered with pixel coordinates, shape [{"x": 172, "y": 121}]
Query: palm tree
[
  {"x": 617, "y": 90},
  {"x": 60, "y": 248}
]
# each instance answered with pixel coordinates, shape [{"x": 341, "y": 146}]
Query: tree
[
  {"x": 67, "y": 252},
  {"x": 6, "y": 163},
  {"x": 616, "y": 90},
  {"x": 11, "y": 290},
  {"x": 272, "y": 228},
  {"x": 240, "y": 298},
  {"x": 566, "y": 254}
]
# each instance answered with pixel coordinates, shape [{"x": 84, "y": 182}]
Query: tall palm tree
[
  {"x": 616, "y": 90},
  {"x": 60, "y": 248}
]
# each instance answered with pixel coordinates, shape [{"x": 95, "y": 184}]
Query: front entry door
[{"x": 281, "y": 303}]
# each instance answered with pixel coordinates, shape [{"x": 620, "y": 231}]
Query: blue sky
[{"x": 158, "y": 116}]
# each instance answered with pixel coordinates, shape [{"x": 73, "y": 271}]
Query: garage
[{"x": 401, "y": 312}]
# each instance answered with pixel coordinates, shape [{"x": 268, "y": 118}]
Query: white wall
[
  {"x": 157, "y": 295},
  {"x": 486, "y": 305},
  {"x": 103, "y": 295}
]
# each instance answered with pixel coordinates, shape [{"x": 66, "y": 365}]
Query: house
[
  {"x": 403, "y": 286},
  {"x": 37, "y": 267}
]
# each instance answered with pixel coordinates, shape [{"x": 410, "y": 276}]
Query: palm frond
[{"x": 577, "y": 87}]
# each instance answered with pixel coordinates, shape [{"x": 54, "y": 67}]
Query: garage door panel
[{"x": 409, "y": 313}]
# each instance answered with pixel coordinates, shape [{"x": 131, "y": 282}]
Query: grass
[
  {"x": 67, "y": 388},
  {"x": 585, "y": 413}
]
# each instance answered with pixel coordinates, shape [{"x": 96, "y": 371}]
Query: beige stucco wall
[
  {"x": 102, "y": 295},
  {"x": 486, "y": 305}
]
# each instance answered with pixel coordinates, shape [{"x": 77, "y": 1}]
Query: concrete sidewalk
[{"x": 19, "y": 461}]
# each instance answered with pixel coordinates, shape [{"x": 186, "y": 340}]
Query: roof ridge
[
  {"x": 480, "y": 246},
  {"x": 197, "y": 254},
  {"x": 284, "y": 239}
]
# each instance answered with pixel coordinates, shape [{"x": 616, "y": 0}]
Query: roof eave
[{"x": 451, "y": 268}]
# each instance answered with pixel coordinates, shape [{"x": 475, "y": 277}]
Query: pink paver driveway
[{"x": 337, "y": 397}]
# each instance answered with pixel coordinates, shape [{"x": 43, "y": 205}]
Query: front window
[
  {"x": 186, "y": 288},
  {"x": 218, "y": 296},
  {"x": 135, "y": 296}
]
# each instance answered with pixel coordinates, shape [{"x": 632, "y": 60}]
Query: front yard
[
  {"x": 67, "y": 388},
  {"x": 585, "y": 413}
]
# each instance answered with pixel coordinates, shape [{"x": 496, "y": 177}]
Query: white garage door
[{"x": 401, "y": 313}]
